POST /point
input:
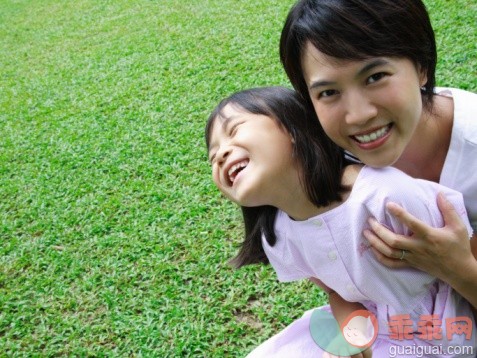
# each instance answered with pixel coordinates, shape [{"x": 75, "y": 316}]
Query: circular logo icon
[{"x": 357, "y": 333}]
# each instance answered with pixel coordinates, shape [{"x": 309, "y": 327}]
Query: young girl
[
  {"x": 368, "y": 69},
  {"x": 304, "y": 209}
]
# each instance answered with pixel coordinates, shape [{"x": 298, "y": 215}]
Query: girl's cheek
[{"x": 215, "y": 177}]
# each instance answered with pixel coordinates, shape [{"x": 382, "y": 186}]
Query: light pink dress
[{"x": 331, "y": 248}]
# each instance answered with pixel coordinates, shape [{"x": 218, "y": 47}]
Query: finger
[
  {"x": 394, "y": 242},
  {"x": 414, "y": 224},
  {"x": 380, "y": 245},
  {"x": 389, "y": 262},
  {"x": 449, "y": 213}
]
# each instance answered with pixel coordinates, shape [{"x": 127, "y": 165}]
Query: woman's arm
[{"x": 444, "y": 252}]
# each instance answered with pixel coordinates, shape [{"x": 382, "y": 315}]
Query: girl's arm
[
  {"x": 444, "y": 252},
  {"x": 341, "y": 310}
]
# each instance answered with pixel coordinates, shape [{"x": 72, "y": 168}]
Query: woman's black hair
[
  {"x": 356, "y": 30},
  {"x": 321, "y": 161}
]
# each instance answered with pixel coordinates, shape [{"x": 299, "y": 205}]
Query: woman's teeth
[{"x": 366, "y": 138}]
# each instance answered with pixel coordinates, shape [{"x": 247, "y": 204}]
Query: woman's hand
[
  {"x": 437, "y": 251},
  {"x": 442, "y": 252}
]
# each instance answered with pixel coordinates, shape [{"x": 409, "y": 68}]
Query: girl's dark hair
[
  {"x": 356, "y": 30},
  {"x": 321, "y": 161}
]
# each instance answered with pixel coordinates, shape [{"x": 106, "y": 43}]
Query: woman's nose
[{"x": 359, "y": 109}]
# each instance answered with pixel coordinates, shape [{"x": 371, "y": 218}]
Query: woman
[{"x": 368, "y": 69}]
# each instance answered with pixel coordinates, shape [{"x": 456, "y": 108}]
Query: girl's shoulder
[
  {"x": 388, "y": 181},
  {"x": 386, "y": 176},
  {"x": 363, "y": 179},
  {"x": 393, "y": 184},
  {"x": 370, "y": 184},
  {"x": 351, "y": 173}
]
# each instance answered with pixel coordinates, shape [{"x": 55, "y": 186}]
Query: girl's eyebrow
[
  {"x": 369, "y": 66},
  {"x": 228, "y": 120},
  {"x": 226, "y": 123}
]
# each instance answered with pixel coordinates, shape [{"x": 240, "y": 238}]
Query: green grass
[{"x": 113, "y": 240}]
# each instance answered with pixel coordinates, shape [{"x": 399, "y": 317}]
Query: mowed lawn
[{"x": 113, "y": 239}]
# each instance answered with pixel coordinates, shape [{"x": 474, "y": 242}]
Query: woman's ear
[{"x": 422, "y": 74}]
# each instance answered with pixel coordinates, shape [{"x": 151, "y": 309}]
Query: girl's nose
[
  {"x": 222, "y": 154},
  {"x": 359, "y": 109}
]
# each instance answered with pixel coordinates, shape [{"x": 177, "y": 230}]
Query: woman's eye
[
  {"x": 327, "y": 93},
  {"x": 376, "y": 77}
]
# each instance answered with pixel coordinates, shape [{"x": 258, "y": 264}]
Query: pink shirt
[{"x": 331, "y": 248}]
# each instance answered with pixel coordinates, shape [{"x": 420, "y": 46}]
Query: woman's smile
[{"x": 373, "y": 138}]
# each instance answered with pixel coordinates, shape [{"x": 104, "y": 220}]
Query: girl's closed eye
[
  {"x": 234, "y": 128},
  {"x": 211, "y": 158}
]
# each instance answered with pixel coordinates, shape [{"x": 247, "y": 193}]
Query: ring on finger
[{"x": 403, "y": 253}]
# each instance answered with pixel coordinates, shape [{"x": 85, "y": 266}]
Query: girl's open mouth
[{"x": 236, "y": 169}]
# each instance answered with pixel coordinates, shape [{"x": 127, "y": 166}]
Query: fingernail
[
  {"x": 391, "y": 205},
  {"x": 442, "y": 195},
  {"x": 365, "y": 234}
]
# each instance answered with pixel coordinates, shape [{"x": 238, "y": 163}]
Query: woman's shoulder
[
  {"x": 464, "y": 114},
  {"x": 465, "y": 102},
  {"x": 453, "y": 92}
]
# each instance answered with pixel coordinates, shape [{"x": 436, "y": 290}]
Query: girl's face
[
  {"x": 251, "y": 157},
  {"x": 368, "y": 107}
]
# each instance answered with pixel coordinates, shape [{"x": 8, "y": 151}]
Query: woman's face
[
  {"x": 368, "y": 107},
  {"x": 251, "y": 157}
]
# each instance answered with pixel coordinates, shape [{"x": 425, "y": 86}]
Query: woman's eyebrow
[
  {"x": 317, "y": 84},
  {"x": 369, "y": 66}
]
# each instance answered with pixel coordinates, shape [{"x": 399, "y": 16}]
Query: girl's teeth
[{"x": 233, "y": 171}]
